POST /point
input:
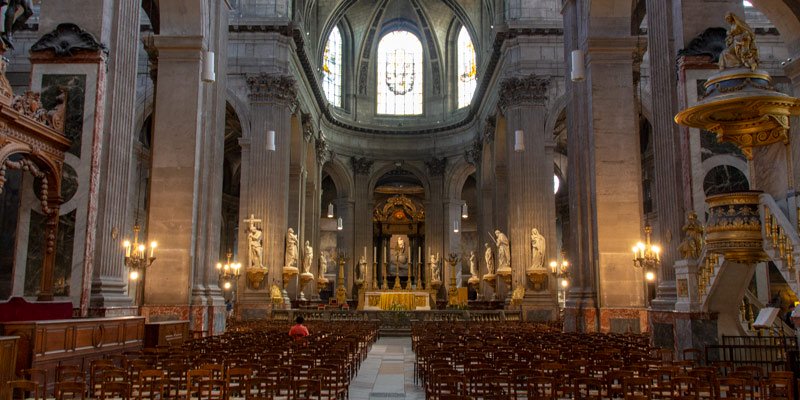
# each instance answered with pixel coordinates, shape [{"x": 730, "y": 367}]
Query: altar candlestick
[{"x": 374, "y": 254}]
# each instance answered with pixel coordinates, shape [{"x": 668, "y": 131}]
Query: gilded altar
[{"x": 397, "y": 301}]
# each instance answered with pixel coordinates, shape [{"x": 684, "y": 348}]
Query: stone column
[
  {"x": 109, "y": 280},
  {"x": 174, "y": 200},
  {"x": 670, "y": 197},
  {"x": 344, "y": 240},
  {"x": 793, "y": 73},
  {"x": 265, "y": 180},
  {"x": 435, "y": 225},
  {"x": 361, "y": 216},
  {"x": 531, "y": 201}
]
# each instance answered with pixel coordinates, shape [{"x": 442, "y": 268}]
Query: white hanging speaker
[
  {"x": 578, "y": 66},
  {"x": 339, "y": 224},
  {"x": 464, "y": 211},
  {"x": 271, "y": 140},
  {"x": 209, "y": 75},
  {"x": 519, "y": 141}
]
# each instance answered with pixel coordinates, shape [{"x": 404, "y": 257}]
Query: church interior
[{"x": 473, "y": 199}]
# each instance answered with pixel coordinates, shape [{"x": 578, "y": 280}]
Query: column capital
[
  {"x": 188, "y": 48},
  {"x": 473, "y": 153},
  {"x": 489, "y": 128},
  {"x": 525, "y": 90},
  {"x": 324, "y": 153},
  {"x": 269, "y": 88}
]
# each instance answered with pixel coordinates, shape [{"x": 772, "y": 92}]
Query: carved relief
[
  {"x": 67, "y": 39},
  {"x": 272, "y": 88},
  {"x": 489, "y": 128},
  {"x": 388, "y": 210},
  {"x": 324, "y": 153},
  {"x": 473, "y": 154},
  {"x": 531, "y": 89},
  {"x": 308, "y": 126},
  {"x": 361, "y": 165}
]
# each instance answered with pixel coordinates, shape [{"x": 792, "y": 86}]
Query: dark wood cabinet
[{"x": 166, "y": 333}]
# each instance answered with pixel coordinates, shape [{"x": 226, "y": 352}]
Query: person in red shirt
[{"x": 298, "y": 331}]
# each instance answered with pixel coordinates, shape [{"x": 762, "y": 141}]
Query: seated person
[{"x": 298, "y": 331}]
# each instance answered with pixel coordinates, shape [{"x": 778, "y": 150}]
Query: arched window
[
  {"x": 400, "y": 74},
  {"x": 332, "y": 68},
  {"x": 467, "y": 76}
]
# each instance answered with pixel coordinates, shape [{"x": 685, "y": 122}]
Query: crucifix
[{"x": 254, "y": 242}]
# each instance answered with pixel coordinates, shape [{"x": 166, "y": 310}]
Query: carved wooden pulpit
[{"x": 36, "y": 137}]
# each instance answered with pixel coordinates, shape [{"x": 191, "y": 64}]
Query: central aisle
[{"x": 387, "y": 373}]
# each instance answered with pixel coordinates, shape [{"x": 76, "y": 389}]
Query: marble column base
[
  {"x": 618, "y": 320},
  {"x": 539, "y": 307},
  {"x": 204, "y": 320},
  {"x": 103, "y": 312},
  {"x": 680, "y": 331}
]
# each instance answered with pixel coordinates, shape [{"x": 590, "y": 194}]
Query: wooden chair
[
  {"x": 731, "y": 388},
  {"x": 211, "y": 389},
  {"x": 542, "y": 387},
  {"x": 448, "y": 385},
  {"x": 637, "y": 388},
  {"x": 777, "y": 387},
  {"x": 615, "y": 383},
  {"x": 69, "y": 373},
  {"x": 693, "y": 355},
  {"x": 115, "y": 390},
  {"x": 193, "y": 379},
  {"x": 70, "y": 390},
  {"x": 27, "y": 389},
  {"x": 684, "y": 388},
  {"x": 236, "y": 381},
  {"x": 151, "y": 385},
  {"x": 588, "y": 388},
  {"x": 39, "y": 376}
]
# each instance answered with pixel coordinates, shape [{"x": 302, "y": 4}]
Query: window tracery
[{"x": 400, "y": 74}]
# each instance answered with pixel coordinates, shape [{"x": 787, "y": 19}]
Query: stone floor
[{"x": 387, "y": 373}]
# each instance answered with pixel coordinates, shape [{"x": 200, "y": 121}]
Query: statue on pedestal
[
  {"x": 503, "y": 250},
  {"x": 291, "y": 249},
  {"x": 538, "y": 248},
  {"x": 692, "y": 244},
  {"x": 323, "y": 264},
  {"x": 473, "y": 264},
  {"x": 255, "y": 248},
  {"x": 741, "y": 41},
  {"x": 435, "y": 269},
  {"x": 488, "y": 256},
  {"x": 362, "y": 268},
  {"x": 308, "y": 258}
]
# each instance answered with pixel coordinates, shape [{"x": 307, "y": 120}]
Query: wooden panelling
[
  {"x": 8, "y": 357},
  {"x": 166, "y": 333},
  {"x": 48, "y": 344}
]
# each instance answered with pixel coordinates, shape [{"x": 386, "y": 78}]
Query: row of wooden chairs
[{"x": 254, "y": 360}]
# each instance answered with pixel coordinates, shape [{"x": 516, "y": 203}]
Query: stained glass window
[
  {"x": 467, "y": 76},
  {"x": 332, "y": 68},
  {"x": 400, "y": 74}
]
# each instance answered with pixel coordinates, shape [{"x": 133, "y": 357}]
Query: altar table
[{"x": 394, "y": 299}]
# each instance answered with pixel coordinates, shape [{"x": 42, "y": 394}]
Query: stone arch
[
  {"x": 785, "y": 15},
  {"x": 341, "y": 176},
  {"x": 558, "y": 106},
  {"x": 46, "y": 166},
  {"x": 456, "y": 178},
  {"x": 387, "y": 166},
  {"x": 241, "y": 109}
]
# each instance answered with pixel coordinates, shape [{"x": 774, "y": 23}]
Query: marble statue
[
  {"x": 308, "y": 258},
  {"x": 435, "y": 270},
  {"x": 13, "y": 19},
  {"x": 362, "y": 268},
  {"x": 538, "y": 248},
  {"x": 692, "y": 244},
  {"x": 473, "y": 264},
  {"x": 503, "y": 250},
  {"x": 323, "y": 263},
  {"x": 488, "y": 256},
  {"x": 255, "y": 247},
  {"x": 291, "y": 249},
  {"x": 741, "y": 50}
]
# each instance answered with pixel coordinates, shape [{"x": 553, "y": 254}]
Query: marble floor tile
[{"x": 387, "y": 373}]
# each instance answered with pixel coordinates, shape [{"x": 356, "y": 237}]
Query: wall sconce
[
  {"x": 339, "y": 224},
  {"x": 560, "y": 269},
  {"x": 209, "y": 75},
  {"x": 519, "y": 141},
  {"x": 330, "y": 210},
  {"x": 270, "y": 140},
  {"x": 578, "y": 66},
  {"x": 464, "y": 211}
]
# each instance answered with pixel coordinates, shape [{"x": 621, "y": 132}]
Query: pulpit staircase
[{"x": 715, "y": 278}]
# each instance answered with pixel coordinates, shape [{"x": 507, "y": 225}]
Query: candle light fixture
[
  {"x": 228, "y": 271},
  {"x": 646, "y": 255}
]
